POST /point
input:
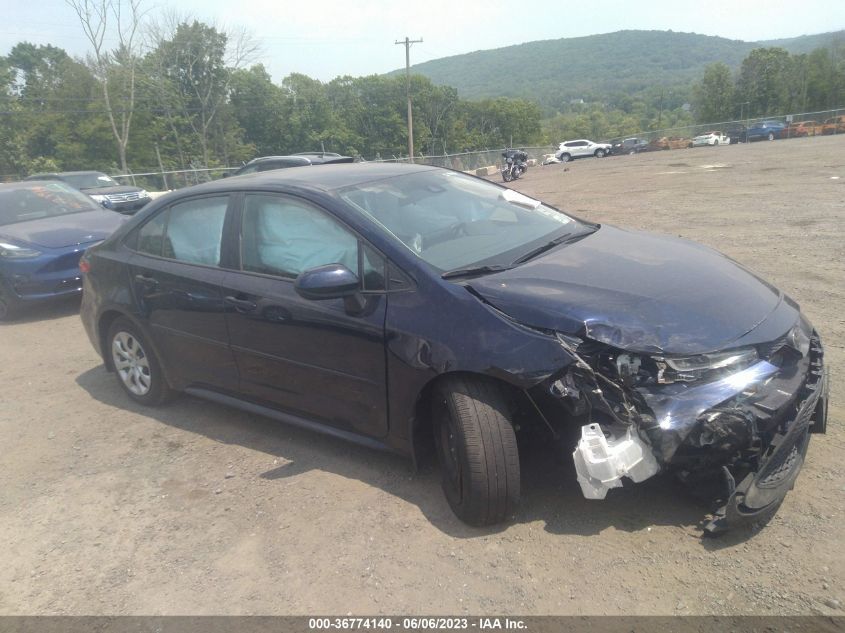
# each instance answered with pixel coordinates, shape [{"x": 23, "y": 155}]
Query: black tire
[
  {"x": 157, "y": 391},
  {"x": 565, "y": 158},
  {"x": 476, "y": 447},
  {"x": 506, "y": 175},
  {"x": 632, "y": 152},
  {"x": 599, "y": 153},
  {"x": 771, "y": 136}
]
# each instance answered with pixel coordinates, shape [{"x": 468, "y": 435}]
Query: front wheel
[
  {"x": 506, "y": 175},
  {"x": 477, "y": 451},
  {"x": 136, "y": 365},
  {"x": 771, "y": 136},
  {"x": 8, "y": 305}
]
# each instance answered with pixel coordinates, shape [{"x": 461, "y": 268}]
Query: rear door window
[
  {"x": 195, "y": 230},
  {"x": 190, "y": 232}
]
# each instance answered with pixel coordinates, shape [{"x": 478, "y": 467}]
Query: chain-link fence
[
  {"x": 470, "y": 161},
  {"x": 174, "y": 179}
]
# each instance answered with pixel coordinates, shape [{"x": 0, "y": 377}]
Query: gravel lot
[{"x": 108, "y": 508}]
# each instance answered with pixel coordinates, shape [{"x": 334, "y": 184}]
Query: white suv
[{"x": 581, "y": 148}]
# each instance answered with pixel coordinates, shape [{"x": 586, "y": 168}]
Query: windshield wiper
[
  {"x": 542, "y": 249},
  {"x": 566, "y": 237},
  {"x": 474, "y": 270}
]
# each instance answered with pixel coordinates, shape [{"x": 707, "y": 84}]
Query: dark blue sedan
[
  {"x": 44, "y": 228},
  {"x": 400, "y": 306}
]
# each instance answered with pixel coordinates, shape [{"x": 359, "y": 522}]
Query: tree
[
  {"x": 116, "y": 69},
  {"x": 191, "y": 69},
  {"x": 713, "y": 96},
  {"x": 763, "y": 81}
]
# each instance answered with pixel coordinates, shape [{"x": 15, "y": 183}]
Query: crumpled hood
[
  {"x": 65, "y": 230},
  {"x": 101, "y": 191},
  {"x": 641, "y": 292}
]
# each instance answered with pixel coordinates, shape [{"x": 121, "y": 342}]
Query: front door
[{"x": 322, "y": 360}]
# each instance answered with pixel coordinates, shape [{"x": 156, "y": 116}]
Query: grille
[{"x": 124, "y": 197}]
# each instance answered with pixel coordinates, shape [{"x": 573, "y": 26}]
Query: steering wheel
[{"x": 453, "y": 231}]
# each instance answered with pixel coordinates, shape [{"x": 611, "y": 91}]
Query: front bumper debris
[
  {"x": 601, "y": 461},
  {"x": 748, "y": 429}
]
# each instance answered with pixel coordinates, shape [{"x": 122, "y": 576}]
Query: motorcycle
[{"x": 514, "y": 165}]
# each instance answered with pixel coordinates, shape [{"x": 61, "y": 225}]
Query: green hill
[{"x": 553, "y": 72}]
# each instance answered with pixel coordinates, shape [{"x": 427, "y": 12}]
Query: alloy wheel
[{"x": 131, "y": 363}]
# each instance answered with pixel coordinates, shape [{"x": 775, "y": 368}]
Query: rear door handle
[
  {"x": 241, "y": 305},
  {"x": 149, "y": 283}
]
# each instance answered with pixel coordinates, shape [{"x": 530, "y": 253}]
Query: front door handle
[{"x": 241, "y": 305}]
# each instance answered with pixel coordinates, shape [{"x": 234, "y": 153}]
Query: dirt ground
[{"x": 109, "y": 508}]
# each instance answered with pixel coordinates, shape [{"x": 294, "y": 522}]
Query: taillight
[{"x": 84, "y": 265}]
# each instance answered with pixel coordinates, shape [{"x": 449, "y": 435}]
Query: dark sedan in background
[
  {"x": 401, "y": 305},
  {"x": 103, "y": 189},
  {"x": 304, "y": 159},
  {"x": 44, "y": 228}
]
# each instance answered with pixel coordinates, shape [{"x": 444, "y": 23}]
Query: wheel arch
[
  {"x": 104, "y": 323},
  {"x": 421, "y": 426}
]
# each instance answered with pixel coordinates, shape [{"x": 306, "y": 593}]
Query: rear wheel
[
  {"x": 599, "y": 153},
  {"x": 476, "y": 447},
  {"x": 771, "y": 136},
  {"x": 136, "y": 365},
  {"x": 565, "y": 158}
]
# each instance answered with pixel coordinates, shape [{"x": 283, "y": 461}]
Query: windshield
[
  {"x": 454, "y": 221},
  {"x": 34, "y": 202},
  {"x": 89, "y": 181}
]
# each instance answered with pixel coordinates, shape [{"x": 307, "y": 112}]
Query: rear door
[
  {"x": 580, "y": 148},
  {"x": 322, "y": 360},
  {"x": 175, "y": 275}
]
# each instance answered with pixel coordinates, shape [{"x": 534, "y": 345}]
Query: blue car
[
  {"x": 405, "y": 306},
  {"x": 769, "y": 130},
  {"x": 44, "y": 228}
]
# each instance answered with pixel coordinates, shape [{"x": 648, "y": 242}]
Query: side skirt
[{"x": 289, "y": 418}]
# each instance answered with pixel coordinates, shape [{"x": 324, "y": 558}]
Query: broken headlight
[
  {"x": 703, "y": 366},
  {"x": 799, "y": 337}
]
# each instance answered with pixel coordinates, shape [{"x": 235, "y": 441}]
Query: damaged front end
[{"x": 741, "y": 417}]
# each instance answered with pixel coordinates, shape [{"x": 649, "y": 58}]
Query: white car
[
  {"x": 711, "y": 138},
  {"x": 581, "y": 148}
]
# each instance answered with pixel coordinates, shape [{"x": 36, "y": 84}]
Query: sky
[{"x": 328, "y": 38}]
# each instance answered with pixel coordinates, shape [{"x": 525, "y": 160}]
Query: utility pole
[{"x": 407, "y": 42}]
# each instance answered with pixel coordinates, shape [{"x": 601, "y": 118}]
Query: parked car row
[{"x": 767, "y": 129}]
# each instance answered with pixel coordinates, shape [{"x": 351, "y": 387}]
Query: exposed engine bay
[{"x": 741, "y": 417}]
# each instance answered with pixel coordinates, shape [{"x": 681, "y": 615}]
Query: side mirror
[{"x": 331, "y": 281}]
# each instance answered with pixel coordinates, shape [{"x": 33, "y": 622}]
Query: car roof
[
  {"x": 294, "y": 159},
  {"x": 327, "y": 178}
]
